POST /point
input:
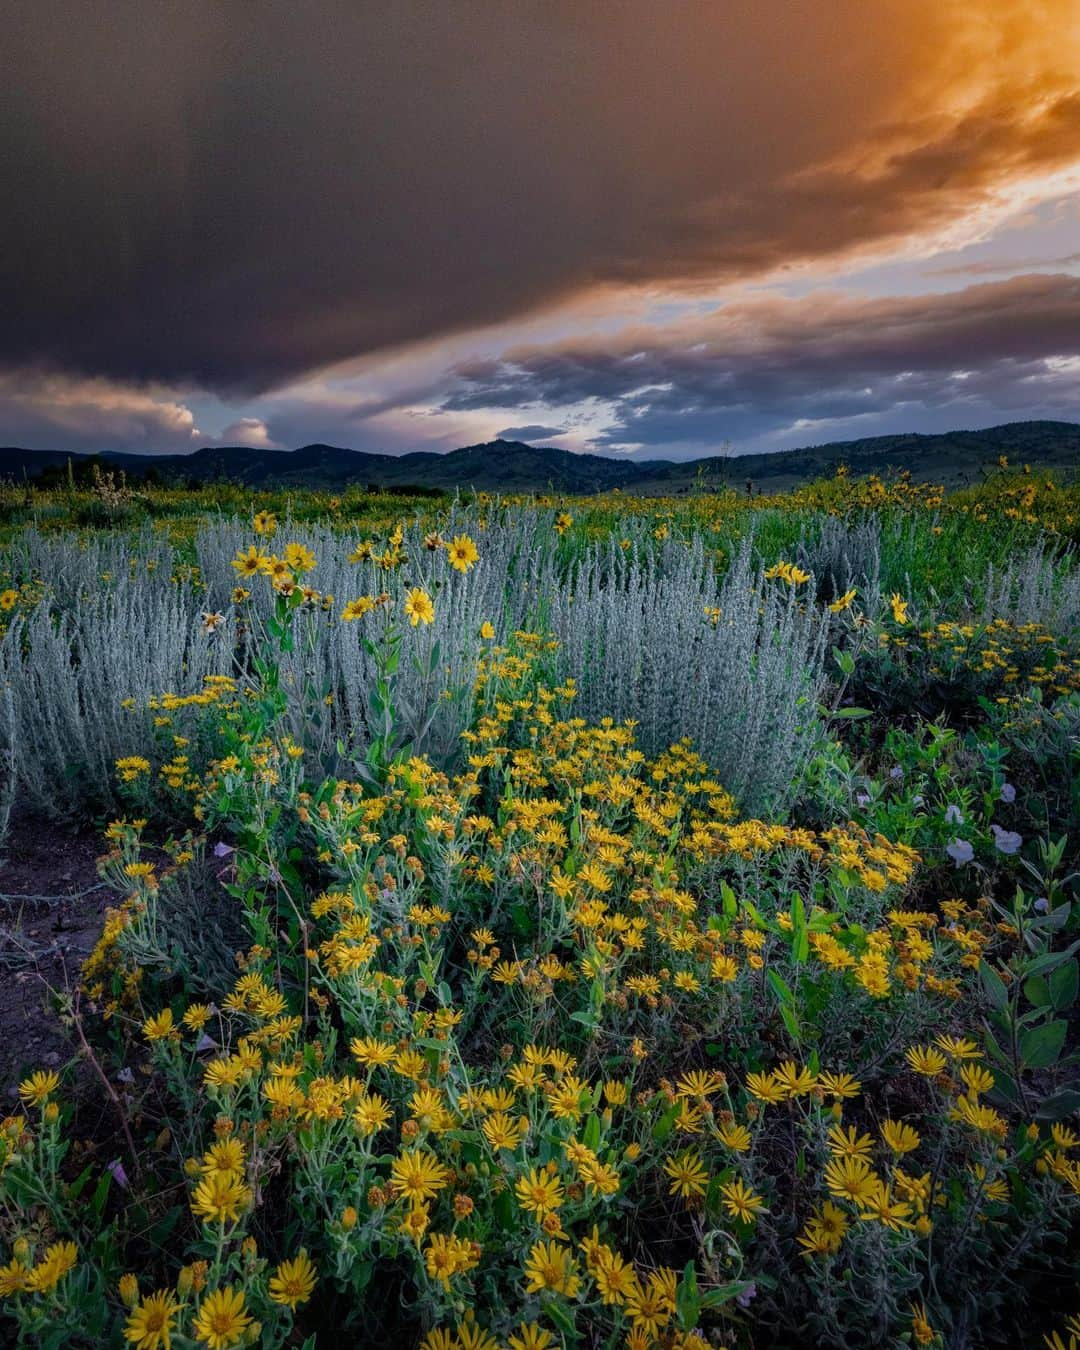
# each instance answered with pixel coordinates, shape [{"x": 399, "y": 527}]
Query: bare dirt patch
[{"x": 52, "y": 906}]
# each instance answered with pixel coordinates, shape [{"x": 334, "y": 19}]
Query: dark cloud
[
  {"x": 532, "y": 431},
  {"x": 230, "y": 195},
  {"x": 776, "y": 365}
]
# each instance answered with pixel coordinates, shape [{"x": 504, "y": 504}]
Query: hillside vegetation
[
  {"x": 538, "y": 923},
  {"x": 953, "y": 458}
]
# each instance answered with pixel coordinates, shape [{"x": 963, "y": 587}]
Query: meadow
[{"x": 544, "y": 923}]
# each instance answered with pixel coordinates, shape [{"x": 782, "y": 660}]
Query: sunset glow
[{"x": 416, "y": 227}]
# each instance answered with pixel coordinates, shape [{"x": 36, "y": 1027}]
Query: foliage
[{"x": 536, "y": 931}]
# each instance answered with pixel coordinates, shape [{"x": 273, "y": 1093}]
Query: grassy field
[{"x": 546, "y": 922}]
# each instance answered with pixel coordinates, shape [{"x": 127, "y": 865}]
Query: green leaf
[
  {"x": 1064, "y": 984},
  {"x": 503, "y": 1209},
  {"x": 1040, "y": 1047},
  {"x": 1006, "y": 1087},
  {"x": 801, "y": 943},
  {"x": 995, "y": 1051},
  {"x": 79, "y": 1184},
  {"x": 780, "y": 987},
  {"x": 1043, "y": 964},
  {"x": 993, "y": 986},
  {"x": 101, "y": 1193},
  {"x": 724, "y": 1293},
  {"x": 161, "y": 1230},
  {"x": 360, "y": 1275},
  {"x": 1060, "y": 1105},
  {"x": 665, "y": 1124},
  {"x": 687, "y": 1298},
  {"x": 563, "y": 1319},
  {"x": 791, "y": 1022},
  {"x": 1037, "y": 991},
  {"x": 844, "y": 660},
  {"x": 852, "y": 714}
]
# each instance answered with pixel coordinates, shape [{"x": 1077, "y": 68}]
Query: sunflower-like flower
[
  {"x": 220, "y": 1197},
  {"x": 293, "y": 1281},
  {"x": 462, "y": 553},
  {"x": 417, "y": 1175},
  {"x": 419, "y": 607},
  {"x": 39, "y": 1087},
  {"x": 150, "y": 1324},
  {"x": 223, "y": 1319}
]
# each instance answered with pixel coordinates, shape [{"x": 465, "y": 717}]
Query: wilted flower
[{"x": 953, "y": 815}]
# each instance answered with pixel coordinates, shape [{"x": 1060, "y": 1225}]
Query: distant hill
[{"x": 953, "y": 458}]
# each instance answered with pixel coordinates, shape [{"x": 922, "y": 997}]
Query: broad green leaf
[
  {"x": 1064, "y": 983},
  {"x": 1060, "y": 1105},
  {"x": 1040, "y": 1047},
  {"x": 1037, "y": 990}
]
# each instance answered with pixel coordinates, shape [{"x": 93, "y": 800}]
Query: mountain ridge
[{"x": 515, "y": 466}]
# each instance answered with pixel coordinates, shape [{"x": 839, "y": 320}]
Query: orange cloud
[{"x": 238, "y": 195}]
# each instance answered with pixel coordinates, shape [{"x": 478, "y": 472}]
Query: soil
[{"x": 52, "y": 906}]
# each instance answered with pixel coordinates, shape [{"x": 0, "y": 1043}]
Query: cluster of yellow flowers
[
  {"x": 502, "y": 1027},
  {"x": 788, "y": 572},
  {"x": 1006, "y": 653},
  {"x": 283, "y": 571}
]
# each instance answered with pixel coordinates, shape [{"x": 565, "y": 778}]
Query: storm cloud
[
  {"x": 775, "y": 364},
  {"x": 226, "y": 197}
]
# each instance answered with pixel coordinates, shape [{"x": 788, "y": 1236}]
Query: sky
[{"x": 615, "y": 226}]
